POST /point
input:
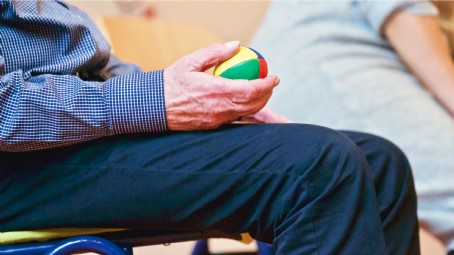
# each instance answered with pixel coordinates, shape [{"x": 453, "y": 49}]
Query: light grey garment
[{"x": 337, "y": 71}]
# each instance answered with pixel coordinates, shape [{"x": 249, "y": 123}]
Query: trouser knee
[
  {"x": 332, "y": 190},
  {"x": 327, "y": 164},
  {"x": 389, "y": 165}
]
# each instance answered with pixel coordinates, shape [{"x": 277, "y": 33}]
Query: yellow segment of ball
[{"x": 244, "y": 54}]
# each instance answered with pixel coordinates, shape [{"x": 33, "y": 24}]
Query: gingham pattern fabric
[{"x": 43, "y": 103}]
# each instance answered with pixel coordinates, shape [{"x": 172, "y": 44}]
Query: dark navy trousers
[{"x": 306, "y": 189}]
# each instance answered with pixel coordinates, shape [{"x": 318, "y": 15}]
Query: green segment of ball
[{"x": 246, "y": 64}]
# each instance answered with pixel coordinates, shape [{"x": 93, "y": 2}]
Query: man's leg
[
  {"x": 307, "y": 188},
  {"x": 395, "y": 191}
]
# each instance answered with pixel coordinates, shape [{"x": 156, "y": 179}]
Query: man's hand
[
  {"x": 266, "y": 115},
  {"x": 196, "y": 100}
]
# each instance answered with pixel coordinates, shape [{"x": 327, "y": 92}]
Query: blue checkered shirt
[{"x": 60, "y": 85}]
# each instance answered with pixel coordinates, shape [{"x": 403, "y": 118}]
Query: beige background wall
[{"x": 234, "y": 20}]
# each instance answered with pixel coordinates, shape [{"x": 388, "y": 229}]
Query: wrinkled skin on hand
[{"x": 196, "y": 100}]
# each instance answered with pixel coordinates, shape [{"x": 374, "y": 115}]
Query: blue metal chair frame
[
  {"x": 77, "y": 244},
  {"x": 121, "y": 243},
  {"x": 114, "y": 243}
]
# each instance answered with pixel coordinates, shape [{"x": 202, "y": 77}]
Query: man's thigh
[{"x": 228, "y": 178}]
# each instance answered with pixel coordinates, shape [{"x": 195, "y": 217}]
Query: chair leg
[
  {"x": 201, "y": 248},
  {"x": 128, "y": 250}
]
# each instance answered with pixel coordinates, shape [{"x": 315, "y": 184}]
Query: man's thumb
[{"x": 205, "y": 58}]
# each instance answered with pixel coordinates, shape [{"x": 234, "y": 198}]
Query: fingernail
[
  {"x": 232, "y": 44},
  {"x": 277, "y": 81}
]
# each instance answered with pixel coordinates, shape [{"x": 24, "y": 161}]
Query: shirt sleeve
[
  {"x": 115, "y": 67},
  {"x": 377, "y": 12},
  {"x": 45, "y": 104},
  {"x": 55, "y": 110}
]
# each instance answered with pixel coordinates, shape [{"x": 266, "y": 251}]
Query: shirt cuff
[
  {"x": 378, "y": 12},
  {"x": 137, "y": 103}
]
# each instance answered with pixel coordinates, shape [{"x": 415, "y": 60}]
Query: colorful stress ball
[{"x": 246, "y": 64}]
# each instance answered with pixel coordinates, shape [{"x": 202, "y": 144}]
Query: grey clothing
[{"x": 337, "y": 70}]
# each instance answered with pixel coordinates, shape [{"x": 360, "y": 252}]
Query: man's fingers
[
  {"x": 205, "y": 58},
  {"x": 244, "y": 97},
  {"x": 244, "y": 91},
  {"x": 250, "y": 108}
]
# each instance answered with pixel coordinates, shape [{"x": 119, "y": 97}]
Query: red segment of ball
[{"x": 263, "y": 68}]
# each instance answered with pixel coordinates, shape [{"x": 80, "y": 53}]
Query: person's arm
[
  {"x": 54, "y": 110},
  {"x": 44, "y": 104},
  {"x": 44, "y": 47},
  {"x": 422, "y": 46}
]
